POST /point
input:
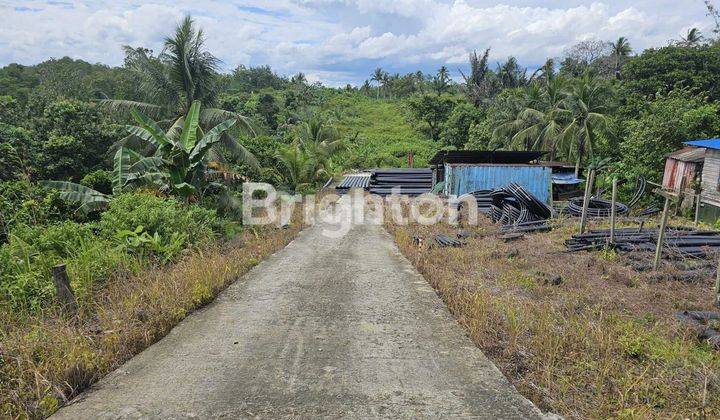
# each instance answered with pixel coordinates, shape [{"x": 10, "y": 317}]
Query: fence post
[
  {"x": 65, "y": 294},
  {"x": 717, "y": 286},
  {"x": 612, "y": 210},
  {"x": 661, "y": 234},
  {"x": 586, "y": 199},
  {"x": 697, "y": 208}
]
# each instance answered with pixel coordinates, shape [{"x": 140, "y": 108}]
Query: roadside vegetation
[
  {"x": 131, "y": 177},
  {"x": 583, "y": 335}
]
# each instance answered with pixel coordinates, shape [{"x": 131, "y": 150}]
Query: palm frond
[{"x": 122, "y": 107}]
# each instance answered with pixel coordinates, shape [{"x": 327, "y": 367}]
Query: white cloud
[{"x": 339, "y": 40}]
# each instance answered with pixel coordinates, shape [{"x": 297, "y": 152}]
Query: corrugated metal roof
[
  {"x": 707, "y": 143},
  {"x": 688, "y": 154},
  {"x": 483, "y": 156}
]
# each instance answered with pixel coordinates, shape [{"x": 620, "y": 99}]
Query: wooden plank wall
[{"x": 711, "y": 177}]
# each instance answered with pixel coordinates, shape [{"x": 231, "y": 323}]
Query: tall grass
[
  {"x": 602, "y": 343},
  {"x": 46, "y": 358}
]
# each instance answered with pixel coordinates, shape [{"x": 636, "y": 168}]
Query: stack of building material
[
  {"x": 514, "y": 205},
  {"x": 483, "y": 198},
  {"x": 407, "y": 181},
  {"x": 359, "y": 180},
  {"x": 682, "y": 242}
]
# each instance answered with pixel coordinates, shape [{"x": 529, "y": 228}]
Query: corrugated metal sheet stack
[
  {"x": 359, "y": 180},
  {"x": 410, "y": 181}
]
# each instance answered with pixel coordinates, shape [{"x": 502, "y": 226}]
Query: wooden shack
[
  {"x": 682, "y": 167},
  {"x": 709, "y": 176}
]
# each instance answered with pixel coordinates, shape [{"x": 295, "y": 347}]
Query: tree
[
  {"x": 480, "y": 85},
  {"x": 433, "y": 110},
  {"x": 620, "y": 51},
  {"x": 441, "y": 82},
  {"x": 378, "y": 76},
  {"x": 456, "y": 128},
  {"x": 692, "y": 38},
  {"x": 540, "y": 121},
  {"x": 664, "y": 69},
  {"x": 586, "y": 108},
  {"x": 659, "y": 127},
  {"x": 590, "y": 55},
  {"x": 511, "y": 75},
  {"x": 183, "y": 73}
]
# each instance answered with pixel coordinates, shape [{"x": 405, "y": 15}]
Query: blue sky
[{"x": 341, "y": 41}]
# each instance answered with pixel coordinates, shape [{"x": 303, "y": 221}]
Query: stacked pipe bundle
[
  {"x": 514, "y": 205},
  {"x": 598, "y": 207},
  {"x": 484, "y": 200},
  {"x": 361, "y": 180},
  {"x": 683, "y": 242},
  {"x": 410, "y": 181}
]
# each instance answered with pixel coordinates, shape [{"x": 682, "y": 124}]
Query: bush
[
  {"x": 168, "y": 218},
  {"x": 31, "y": 252},
  {"x": 138, "y": 229}
]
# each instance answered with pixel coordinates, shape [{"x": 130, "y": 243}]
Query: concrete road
[{"x": 324, "y": 328}]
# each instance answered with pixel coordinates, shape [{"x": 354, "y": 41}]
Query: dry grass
[
  {"x": 602, "y": 343},
  {"x": 45, "y": 360}
]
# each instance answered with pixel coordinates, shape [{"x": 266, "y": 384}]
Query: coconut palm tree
[
  {"x": 540, "y": 122},
  {"x": 321, "y": 141},
  {"x": 441, "y": 82},
  {"x": 183, "y": 73},
  {"x": 620, "y": 51},
  {"x": 692, "y": 38},
  {"x": 378, "y": 77},
  {"x": 586, "y": 108}
]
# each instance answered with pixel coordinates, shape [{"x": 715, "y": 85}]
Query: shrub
[{"x": 166, "y": 217}]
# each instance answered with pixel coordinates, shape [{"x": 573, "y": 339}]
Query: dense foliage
[{"x": 172, "y": 125}]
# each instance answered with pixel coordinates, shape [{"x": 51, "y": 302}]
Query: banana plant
[
  {"x": 128, "y": 166},
  {"x": 185, "y": 150}
]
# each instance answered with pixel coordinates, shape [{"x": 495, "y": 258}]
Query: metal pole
[
  {"x": 697, "y": 208},
  {"x": 661, "y": 234},
  {"x": 612, "y": 210},
  {"x": 586, "y": 199}
]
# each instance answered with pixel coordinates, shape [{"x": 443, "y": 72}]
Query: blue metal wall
[{"x": 461, "y": 179}]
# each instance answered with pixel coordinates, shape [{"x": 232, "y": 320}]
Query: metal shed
[{"x": 468, "y": 171}]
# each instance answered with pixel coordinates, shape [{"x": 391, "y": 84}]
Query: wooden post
[
  {"x": 586, "y": 199},
  {"x": 612, "y": 210},
  {"x": 697, "y": 208},
  {"x": 661, "y": 234},
  {"x": 717, "y": 286},
  {"x": 65, "y": 294}
]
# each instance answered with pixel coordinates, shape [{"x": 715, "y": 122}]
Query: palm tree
[
  {"x": 183, "y": 73},
  {"x": 479, "y": 85},
  {"x": 378, "y": 77},
  {"x": 540, "y": 122},
  {"x": 321, "y": 141},
  {"x": 620, "y": 51},
  {"x": 299, "y": 167},
  {"x": 441, "y": 82},
  {"x": 692, "y": 38},
  {"x": 586, "y": 109}
]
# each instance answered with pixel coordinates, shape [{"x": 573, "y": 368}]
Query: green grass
[{"x": 379, "y": 131}]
